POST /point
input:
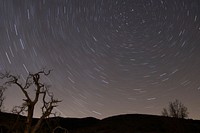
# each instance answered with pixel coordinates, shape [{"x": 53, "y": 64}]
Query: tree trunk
[
  {"x": 29, "y": 118},
  {"x": 37, "y": 126}
]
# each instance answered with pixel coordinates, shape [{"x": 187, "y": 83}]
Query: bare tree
[
  {"x": 165, "y": 112},
  {"x": 2, "y": 98},
  {"x": 176, "y": 109},
  {"x": 41, "y": 92}
]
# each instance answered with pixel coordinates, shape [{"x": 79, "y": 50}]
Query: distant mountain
[
  {"x": 137, "y": 123},
  {"x": 129, "y": 123}
]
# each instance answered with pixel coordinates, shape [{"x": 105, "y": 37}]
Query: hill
[{"x": 129, "y": 123}]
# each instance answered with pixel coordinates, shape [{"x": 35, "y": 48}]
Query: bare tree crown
[
  {"x": 41, "y": 91},
  {"x": 175, "y": 109}
]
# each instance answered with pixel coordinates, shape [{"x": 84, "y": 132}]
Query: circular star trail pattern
[{"x": 109, "y": 56}]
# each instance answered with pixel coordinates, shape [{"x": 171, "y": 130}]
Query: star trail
[{"x": 108, "y": 57}]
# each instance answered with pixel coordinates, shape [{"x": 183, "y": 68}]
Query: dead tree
[{"x": 41, "y": 92}]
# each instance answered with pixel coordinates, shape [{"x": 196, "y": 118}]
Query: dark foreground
[{"x": 130, "y": 123}]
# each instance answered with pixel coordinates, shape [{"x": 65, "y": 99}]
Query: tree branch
[{"x": 14, "y": 80}]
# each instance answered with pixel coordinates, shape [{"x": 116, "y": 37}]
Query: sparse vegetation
[
  {"x": 33, "y": 84},
  {"x": 176, "y": 109}
]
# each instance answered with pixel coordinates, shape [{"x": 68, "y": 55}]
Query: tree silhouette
[
  {"x": 41, "y": 92},
  {"x": 2, "y": 98},
  {"x": 175, "y": 109}
]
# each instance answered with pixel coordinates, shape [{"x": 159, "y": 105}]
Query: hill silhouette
[{"x": 128, "y": 123}]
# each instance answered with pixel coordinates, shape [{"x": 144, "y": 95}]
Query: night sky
[{"x": 108, "y": 57}]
